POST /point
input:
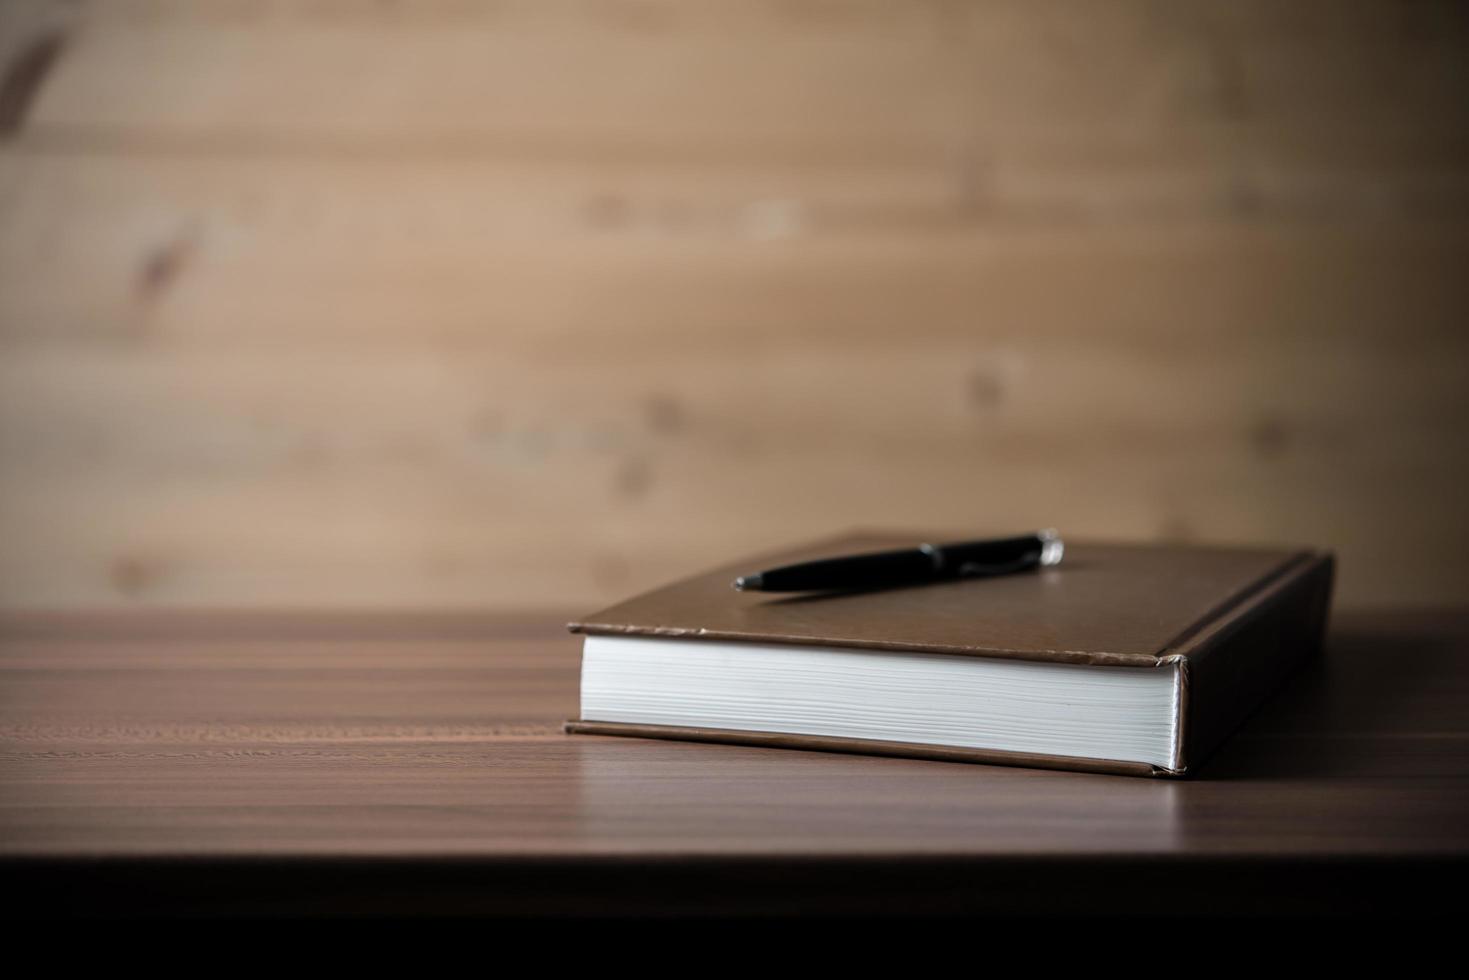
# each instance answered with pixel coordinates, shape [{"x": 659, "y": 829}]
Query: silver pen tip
[
  {"x": 747, "y": 582},
  {"x": 1052, "y": 547}
]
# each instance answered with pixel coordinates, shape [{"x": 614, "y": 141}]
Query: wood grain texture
[
  {"x": 421, "y": 755},
  {"x": 400, "y": 305},
  {"x": 207, "y": 743},
  {"x": 830, "y": 75}
]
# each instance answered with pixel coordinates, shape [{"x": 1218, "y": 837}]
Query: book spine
[{"x": 1239, "y": 660}]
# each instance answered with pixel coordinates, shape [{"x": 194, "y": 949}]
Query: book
[{"x": 1133, "y": 659}]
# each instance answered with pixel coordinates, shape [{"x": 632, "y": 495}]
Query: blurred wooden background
[{"x": 435, "y": 303}]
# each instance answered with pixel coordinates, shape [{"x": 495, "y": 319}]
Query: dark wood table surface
[{"x": 301, "y": 764}]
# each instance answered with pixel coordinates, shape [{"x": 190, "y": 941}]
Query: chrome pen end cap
[{"x": 1052, "y": 548}]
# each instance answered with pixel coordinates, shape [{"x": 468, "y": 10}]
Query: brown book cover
[{"x": 1235, "y": 621}]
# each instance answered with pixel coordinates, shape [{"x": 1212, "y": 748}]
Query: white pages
[{"x": 1119, "y": 713}]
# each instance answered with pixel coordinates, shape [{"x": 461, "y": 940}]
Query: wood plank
[
  {"x": 148, "y": 247},
  {"x": 933, "y": 75},
  {"x": 239, "y": 477}
]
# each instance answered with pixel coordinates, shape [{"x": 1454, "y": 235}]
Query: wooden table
[{"x": 291, "y": 764}]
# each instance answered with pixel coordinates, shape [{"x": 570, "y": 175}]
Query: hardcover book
[{"x": 1123, "y": 658}]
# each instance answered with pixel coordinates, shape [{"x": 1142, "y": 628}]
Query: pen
[{"x": 911, "y": 566}]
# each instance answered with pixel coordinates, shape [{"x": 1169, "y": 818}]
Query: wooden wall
[{"x": 435, "y": 303}]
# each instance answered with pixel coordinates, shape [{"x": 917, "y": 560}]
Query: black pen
[{"x": 911, "y": 566}]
